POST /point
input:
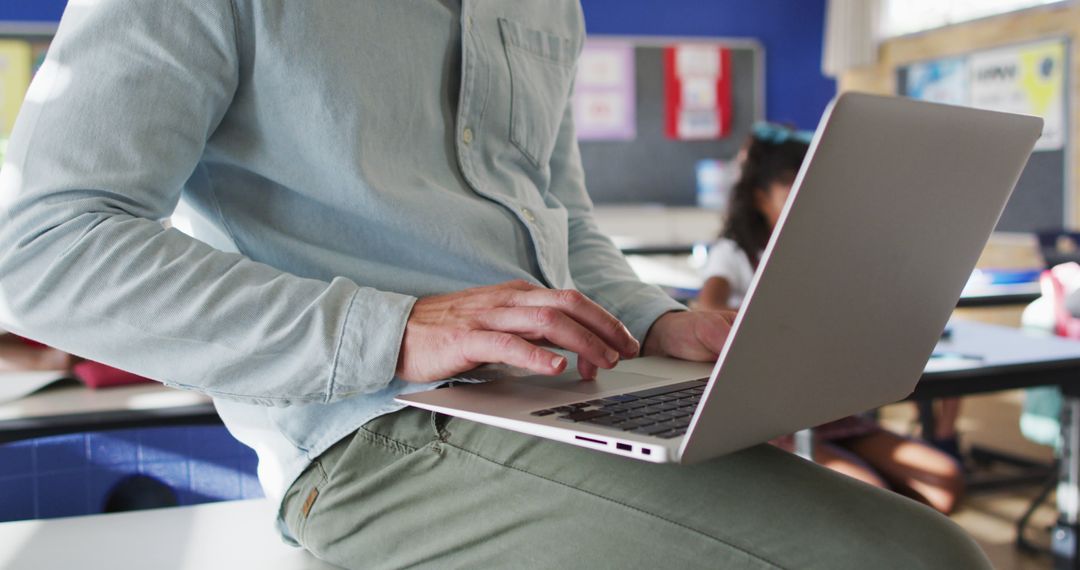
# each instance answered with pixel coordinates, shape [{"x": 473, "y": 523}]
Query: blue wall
[
  {"x": 32, "y": 10},
  {"x": 71, "y": 475},
  {"x": 790, "y": 30}
]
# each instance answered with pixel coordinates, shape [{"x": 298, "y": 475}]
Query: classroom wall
[
  {"x": 1059, "y": 20},
  {"x": 73, "y": 474},
  {"x": 792, "y": 32},
  {"x": 32, "y": 11}
]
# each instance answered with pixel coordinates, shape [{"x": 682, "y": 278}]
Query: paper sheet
[{"x": 15, "y": 385}]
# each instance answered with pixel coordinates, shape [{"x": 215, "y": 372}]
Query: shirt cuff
[
  {"x": 640, "y": 310},
  {"x": 367, "y": 353}
]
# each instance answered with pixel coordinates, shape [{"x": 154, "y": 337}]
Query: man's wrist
[{"x": 652, "y": 345}]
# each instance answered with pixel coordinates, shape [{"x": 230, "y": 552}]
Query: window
[{"x": 909, "y": 16}]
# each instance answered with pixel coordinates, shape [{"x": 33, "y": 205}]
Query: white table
[
  {"x": 234, "y": 535},
  {"x": 73, "y": 407}
]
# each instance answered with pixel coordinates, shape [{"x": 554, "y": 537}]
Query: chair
[{"x": 1039, "y": 420}]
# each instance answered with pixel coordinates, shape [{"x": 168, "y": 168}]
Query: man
[{"x": 403, "y": 182}]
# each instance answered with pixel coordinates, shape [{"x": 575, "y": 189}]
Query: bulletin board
[
  {"x": 1031, "y": 78},
  {"x": 22, "y": 49},
  {"x": 639, "y": 162}
]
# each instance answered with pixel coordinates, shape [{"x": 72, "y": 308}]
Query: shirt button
[
  {"x": 466, "y": 135},
  {"x": 468, "y": 24},
  {"x": 528, "y": 215}
]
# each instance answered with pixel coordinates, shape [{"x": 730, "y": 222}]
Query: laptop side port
[
  {"x": 590, "y": 440},
  {"x": 623, "y": 447}
]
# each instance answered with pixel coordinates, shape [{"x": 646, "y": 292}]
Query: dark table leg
[
  {"x": 926, "y": 418},
  {"x": 1064, "y": 543}
]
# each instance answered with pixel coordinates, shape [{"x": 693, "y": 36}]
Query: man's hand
[
  {"x": 689, "y": 335},
  {"x": 449, "y": 334}
]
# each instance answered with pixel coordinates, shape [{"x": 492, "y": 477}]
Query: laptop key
[
  {"x": 606, "y": 421},
  {"x": 637, "y": 423},
  {"x": 542, "y": 413},
  {"x": 665, "y": 389},
  {"x": 652, "y": 430},
  {"x": 618, "y": 398},
  {"x": 580, "y": 416},
  {"x": 671, "y": 433}
]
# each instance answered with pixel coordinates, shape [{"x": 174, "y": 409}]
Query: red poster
[{"x": 697, "y": 91}]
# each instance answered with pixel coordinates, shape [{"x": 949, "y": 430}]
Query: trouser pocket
[
  {"x": 300, "y": 499},
  {"x": 382, "y": 472}
]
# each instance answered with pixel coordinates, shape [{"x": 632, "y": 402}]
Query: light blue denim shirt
[{"x": 359, "y": 154}]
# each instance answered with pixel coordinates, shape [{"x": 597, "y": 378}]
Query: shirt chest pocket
[{"x": 541, "y": 70}]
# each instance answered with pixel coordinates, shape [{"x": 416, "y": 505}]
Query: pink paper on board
[{"x": 604, "y": 103}]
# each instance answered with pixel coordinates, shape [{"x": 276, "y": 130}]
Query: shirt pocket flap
[{"x": 541, "y": 44}]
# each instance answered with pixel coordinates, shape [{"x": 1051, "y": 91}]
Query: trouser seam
[
  {"x": 440, "y": 430},
  {"x": 624, "y": 505},
  {"x": 320, "y": 483},
  {"x": 387, "y": 442}
]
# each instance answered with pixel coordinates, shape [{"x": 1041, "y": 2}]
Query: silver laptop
[{"x": 885, "y": 222}]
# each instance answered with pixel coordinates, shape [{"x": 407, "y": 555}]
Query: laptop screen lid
[{"x": 887, "y": 217}]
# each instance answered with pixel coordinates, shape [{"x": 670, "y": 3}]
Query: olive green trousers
[{"x": 417, "y": 489}]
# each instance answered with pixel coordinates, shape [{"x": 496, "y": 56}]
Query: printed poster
[
  {"x": 15, "y": 59},
  {"x": 604, "y": 103},
  {"x": 1028, "y": 79},
  {"x": 940, "y": 81},
  {"x": 697, "y": 91}
]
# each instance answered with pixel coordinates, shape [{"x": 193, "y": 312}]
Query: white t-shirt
[{"x": 729, "y": 261}]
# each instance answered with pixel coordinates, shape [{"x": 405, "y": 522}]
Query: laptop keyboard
[{"x": 663, "y": 412}]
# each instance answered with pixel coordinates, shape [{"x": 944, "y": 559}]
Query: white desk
[
  {"x": 1002, "y": 358},
  {"x": 683, "y": 279},
  {"x": 234, "y": 535},
  {"x": 643, "y": 225},
  {"x": 73, "y": 407}
]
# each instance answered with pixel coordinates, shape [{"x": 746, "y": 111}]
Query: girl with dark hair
[
  {"x": 769, "y": 164},
  {"x": 854, "y": 446}
]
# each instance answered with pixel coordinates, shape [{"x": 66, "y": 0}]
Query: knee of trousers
[{"x": 931, "y": 540}]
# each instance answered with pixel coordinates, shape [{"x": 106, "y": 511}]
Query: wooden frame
[{"x": 1053, "y": 21}]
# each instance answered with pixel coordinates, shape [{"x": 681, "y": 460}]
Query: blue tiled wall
[{"x": 72, "y": 474}]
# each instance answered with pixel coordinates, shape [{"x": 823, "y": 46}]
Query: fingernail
[
  {"x": 558, "y": 362},
  {"x": 612, "y": 356}
]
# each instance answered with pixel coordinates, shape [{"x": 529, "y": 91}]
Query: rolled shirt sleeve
[
  {"x": 597, "y": 267},
  {"x": 113, "y": 127}
]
